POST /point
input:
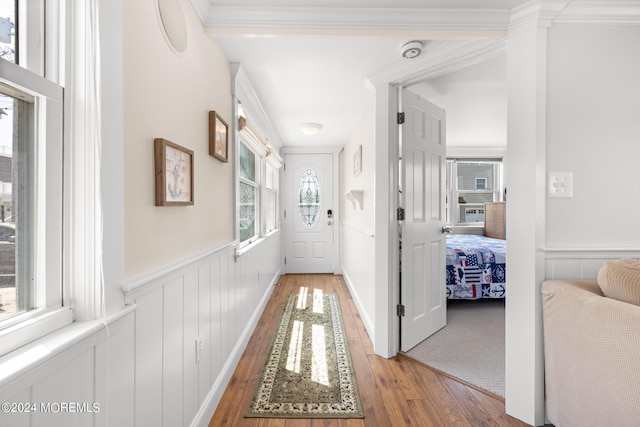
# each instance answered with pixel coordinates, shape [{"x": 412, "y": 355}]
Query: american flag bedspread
[{"x": 476, "y": 267}]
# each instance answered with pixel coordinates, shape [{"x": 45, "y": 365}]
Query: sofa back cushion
[{"x": 620, "y": 279}]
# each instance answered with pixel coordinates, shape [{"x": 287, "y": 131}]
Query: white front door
[
  {"x": 423, "y": 242},
  {"x": 309, "y": 213}
]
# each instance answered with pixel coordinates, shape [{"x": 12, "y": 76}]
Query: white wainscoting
[
  {"x": 582, "y": 263},
  {"x": 57, "y": 380},
  {"x": 358, "y": 268},
  {"x": 165, "y": 359}
]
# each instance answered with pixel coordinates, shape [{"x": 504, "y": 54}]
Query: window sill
[
  {"x": 35, "y": 326},
  {"x": 247, "y": 246},
  {"x": 40, "y": 350}
]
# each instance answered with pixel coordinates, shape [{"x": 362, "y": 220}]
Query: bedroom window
[{"x": 470, "y": 184}]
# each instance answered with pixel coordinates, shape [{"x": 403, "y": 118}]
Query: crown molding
[
  {"x": 544, "y": 13},
  {"x": 600, "y": 12},
  {"x": 235, "y": 19}
]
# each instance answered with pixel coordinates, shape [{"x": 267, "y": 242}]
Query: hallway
[{"x": 397, "y": 391}]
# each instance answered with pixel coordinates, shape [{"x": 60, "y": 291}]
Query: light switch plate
[{"x": 560, "y": 185}]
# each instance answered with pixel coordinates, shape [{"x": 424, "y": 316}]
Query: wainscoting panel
[
  {"x": 198, "y": 317},
  {"x": 357, "y": 249},
  {"x": 163, "y": 360},
  {"x": 581, "y": 263},
  {"x": 82, "y": 376}
]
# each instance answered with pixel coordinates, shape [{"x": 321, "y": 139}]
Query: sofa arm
[{"x": 592, "y": 356}]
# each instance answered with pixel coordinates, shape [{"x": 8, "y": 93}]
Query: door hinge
[
  {"x": 285, "y": 214},
  {"x": 400, "y": 118},
  {"x": 285, "y": 260},
  {"x": 400, "y": 214},
  {"x": 400, "y": 309}
]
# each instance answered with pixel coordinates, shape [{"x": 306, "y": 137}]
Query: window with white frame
[
  {"x": 248, "y": 197},
  {"x": 38, "y": 127},
  {"x": 470, "y": 184},
  {"x": 257, "y": 188},
  {"x": 270, "y": 198}
]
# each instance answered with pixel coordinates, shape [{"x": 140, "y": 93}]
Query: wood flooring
[{"x": 394, "y": 392}]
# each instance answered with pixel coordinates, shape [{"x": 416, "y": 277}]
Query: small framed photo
[
  {"x": 174, "y": 174},
  {"x": 218, "y": 137},
  {"x": 357, "y": 161}
]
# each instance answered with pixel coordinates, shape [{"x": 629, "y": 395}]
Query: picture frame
[
  {"x": 173, "y": 173},
  {"x": 218, "y": 137},
  {"x": 357, "y": 161}
]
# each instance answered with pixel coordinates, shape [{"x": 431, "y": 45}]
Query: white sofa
[{"x": 592, "y": 348}]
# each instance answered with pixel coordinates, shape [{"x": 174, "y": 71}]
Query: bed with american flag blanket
[{"x": 476, "y": 267}]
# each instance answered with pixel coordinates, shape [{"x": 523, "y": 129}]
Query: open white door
[
  {"x": 309, "y": 213},
  {"x": 423, "y": 241}
]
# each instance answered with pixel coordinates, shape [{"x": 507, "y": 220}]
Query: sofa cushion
[{"x": 620, "y": 279}]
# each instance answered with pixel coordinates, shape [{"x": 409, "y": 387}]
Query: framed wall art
[
  {"x": 218, "y": 137},
  {"x": 174, "y": 174}
]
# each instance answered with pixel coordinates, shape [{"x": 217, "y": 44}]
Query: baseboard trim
[{"x": 366, "y": 320}]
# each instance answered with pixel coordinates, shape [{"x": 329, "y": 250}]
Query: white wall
[
  {"x": 357, "y": 219},
  {"x": 475, "y": 99},
  {"x": 593, "y": 132},
  {"x": 169, "y": 95}
]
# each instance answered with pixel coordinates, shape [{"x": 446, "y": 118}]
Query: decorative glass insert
[
  {"x": 309, "y": 198},
  {"x": 247, "y": 211}
]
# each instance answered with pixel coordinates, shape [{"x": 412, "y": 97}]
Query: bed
[{"x": 476, "y": 265}]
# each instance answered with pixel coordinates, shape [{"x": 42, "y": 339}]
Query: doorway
[{"x": 309, "y": 213}]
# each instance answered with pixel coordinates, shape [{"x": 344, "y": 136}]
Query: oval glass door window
[{"x": 309, "y": 198}]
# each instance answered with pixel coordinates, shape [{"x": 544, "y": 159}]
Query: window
[
  {"x": 7, "y": 30},
  {"x": 33, "y": 208},
  {"x": 270, "y": 193},
  {"x": 248, "y": 194},
  {"x": 471, "y": 184}
]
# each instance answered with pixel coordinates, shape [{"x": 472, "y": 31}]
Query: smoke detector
[{"x": 411, "y": 49}]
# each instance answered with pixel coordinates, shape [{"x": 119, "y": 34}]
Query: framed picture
[
  {"x": 357, "y": 161},
  {"x": 174, "y": 174},
  {"x": 218, "y": 137}
]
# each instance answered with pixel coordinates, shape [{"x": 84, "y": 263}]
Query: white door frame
[
  {"x": 335, "y": 153},
  {"x": 523, "y": 401}
]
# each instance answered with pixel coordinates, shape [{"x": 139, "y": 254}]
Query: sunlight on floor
[
  {"x": 295, "y": 348},
  {"x": 318, "y": 303},
  {"x": 319, "y": 368},
  {"x": 302, "y": 298}
]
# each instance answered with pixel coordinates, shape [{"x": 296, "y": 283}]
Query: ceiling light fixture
[
  {"x": 411, "y": 49},
  {"x": 311, "y": 128}
]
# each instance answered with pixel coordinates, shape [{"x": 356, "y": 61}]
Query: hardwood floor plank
[{"x": 394, "y": 392}]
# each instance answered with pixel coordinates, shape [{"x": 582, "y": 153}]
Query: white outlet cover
[{"x": 560, "y": 185}]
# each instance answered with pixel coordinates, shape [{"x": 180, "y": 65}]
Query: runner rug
[{"x": 308, "y": 373}]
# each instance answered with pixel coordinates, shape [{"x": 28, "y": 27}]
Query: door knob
[{"x": 446, "y": 229}]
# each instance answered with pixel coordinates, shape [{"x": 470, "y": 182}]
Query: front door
[
  {"x": 423, "y": 242},
  {"x": 309, "y": 213}
]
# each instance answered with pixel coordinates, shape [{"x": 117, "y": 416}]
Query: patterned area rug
[{"x": 309, "y": 373}]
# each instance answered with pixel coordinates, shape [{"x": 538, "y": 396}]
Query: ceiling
[{"x": 317, "y": 60}]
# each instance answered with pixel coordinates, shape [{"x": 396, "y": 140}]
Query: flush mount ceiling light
[
  {"x": 310, "y": 128},
  {"x": 411, "y": 49}
]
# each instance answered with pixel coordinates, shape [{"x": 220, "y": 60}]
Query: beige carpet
[{"x": 471, "y": 346}]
